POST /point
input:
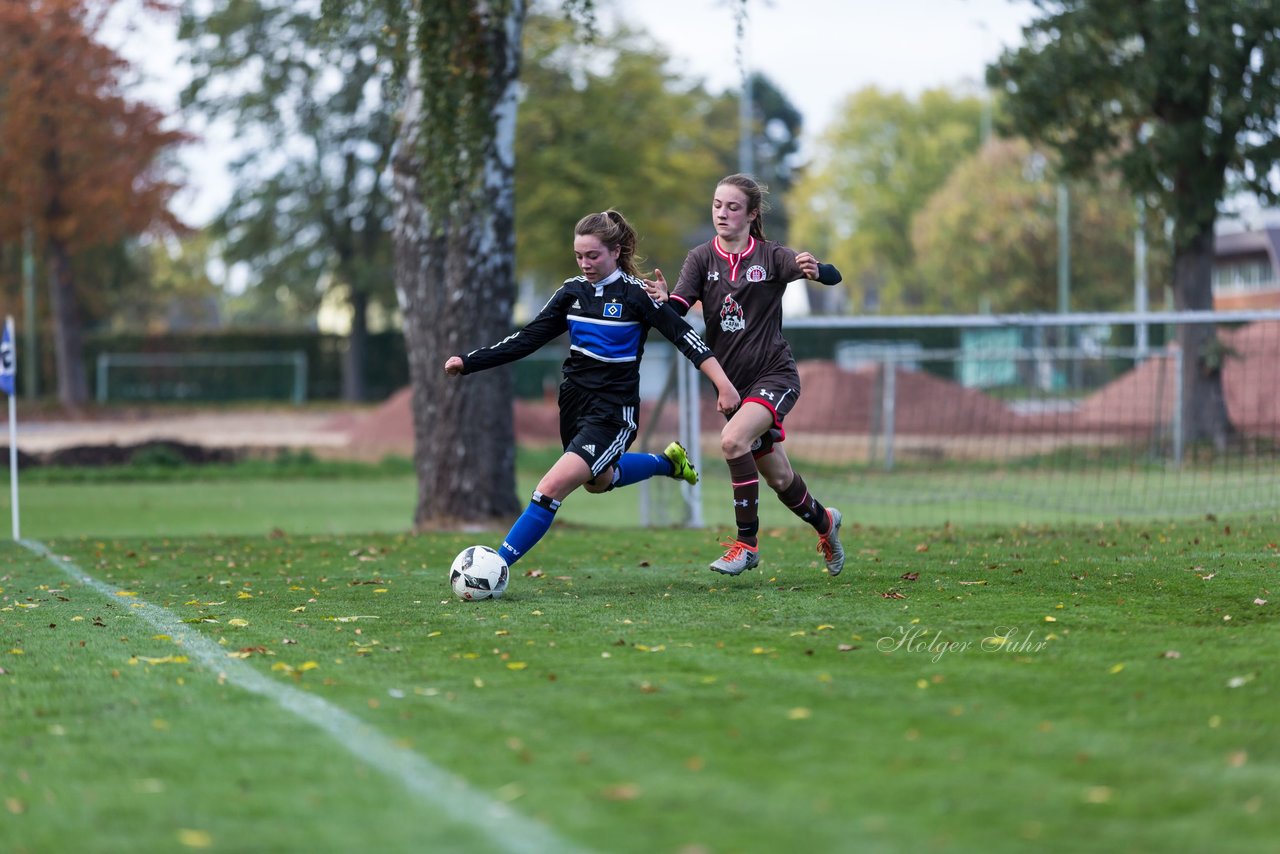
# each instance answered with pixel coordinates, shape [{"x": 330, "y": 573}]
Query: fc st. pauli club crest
[{"x": 731, "y": 319}]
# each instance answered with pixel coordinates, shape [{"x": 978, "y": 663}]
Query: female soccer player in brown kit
[
  {"x": 608, "y": 316},
  {"x": 740, "y": 278}
]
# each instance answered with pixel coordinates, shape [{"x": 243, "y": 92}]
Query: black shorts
[
  {"x": 594, "y": 429},
  {"x": 778, "y": 393}
]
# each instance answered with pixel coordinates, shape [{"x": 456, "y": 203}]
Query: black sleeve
[
  {"x": 550, "y": 323},
  {"x": 678, "y": 305},
  {"x": 663, "y": 317},
  {"x": 829, "y": 275}
]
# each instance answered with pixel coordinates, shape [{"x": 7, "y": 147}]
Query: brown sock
[
  {"x": 800, "y": 502},
  {"x": 746, "y": 497}
]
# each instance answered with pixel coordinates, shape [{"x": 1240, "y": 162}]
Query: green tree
[
  {"x": 989, "y": 236},
  {"x": 1182, "y": 99},
  {"x": 874, "y": 168},
  {"x": 311, "y": 212},
  {"x": 168, "y": 287},
  {"x": 775, "y": 142},
  {"x": 605, "y": 124}
]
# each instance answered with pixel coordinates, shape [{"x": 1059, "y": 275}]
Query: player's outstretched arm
[
  {"x": 727, "y": 398},
  {"x": 825, "y": 274}
]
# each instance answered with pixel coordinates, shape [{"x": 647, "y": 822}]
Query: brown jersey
[{"x": 742, "y": 305}]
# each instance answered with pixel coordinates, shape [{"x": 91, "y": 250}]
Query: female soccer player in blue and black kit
[{"x": 607, "y": 314}]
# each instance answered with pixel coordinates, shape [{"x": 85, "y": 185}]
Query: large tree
[
  {"x": 1182, "y": 97},
  {"x": 80, "y": 164},
  {"x": 312, "y": 212},
  {"x": 454, "y": 238},
  {"x": 458, "y": 64},
  {"x": 875, "y": 167}
]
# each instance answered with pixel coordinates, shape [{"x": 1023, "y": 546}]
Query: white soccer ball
[{"x": 478, "y": 572}]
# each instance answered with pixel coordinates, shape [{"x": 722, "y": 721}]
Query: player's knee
[
  {"x": 602, "y": 482},
  {"x": 731, "y": 446}
]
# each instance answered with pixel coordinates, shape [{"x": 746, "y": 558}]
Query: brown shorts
[{"x": 778, "y": 394}]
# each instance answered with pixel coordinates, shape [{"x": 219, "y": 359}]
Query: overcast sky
[
  {"x": 815, "y": 51},
  {"x": 819, "y": 51}
]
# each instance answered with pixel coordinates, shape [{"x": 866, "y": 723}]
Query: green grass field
[{"x": 276, "y": 667}]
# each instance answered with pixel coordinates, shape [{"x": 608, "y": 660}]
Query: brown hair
[
  {"x": 615, "y": 233},
  {"x": 755, "y": 193}
]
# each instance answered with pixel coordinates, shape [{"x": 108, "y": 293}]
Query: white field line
[{"x": 507, "y": 829}]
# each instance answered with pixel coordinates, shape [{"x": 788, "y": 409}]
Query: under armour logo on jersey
[
  {"x": 613, "y": 309},
  {"x": 590, "y": 449},
  {"x": 713, "y": 276},
  {"x": 766, "y": 393}
]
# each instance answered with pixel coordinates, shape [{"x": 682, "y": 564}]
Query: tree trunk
[
  {"x": 355, "y": 388},
  {"x": 68, "y": 346},
  {"x": 455, "y": 275},
  {"x": 1204, "y": 405}
]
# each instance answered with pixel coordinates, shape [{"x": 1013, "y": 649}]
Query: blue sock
[
  {"x": 529, "y": 528},
  {"x": 633, "y": 468}
]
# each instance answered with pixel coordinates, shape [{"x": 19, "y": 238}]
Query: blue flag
[{"x": 7, "y": 359}]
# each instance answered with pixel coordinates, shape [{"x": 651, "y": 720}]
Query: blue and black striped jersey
[{"x": 607, "y": 323}]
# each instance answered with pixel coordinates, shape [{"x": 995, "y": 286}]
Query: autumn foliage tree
[
  {"x": 875, "y": 167},
  {"x": 81, "y": 165},
  {"x": 988, "y": 239}
]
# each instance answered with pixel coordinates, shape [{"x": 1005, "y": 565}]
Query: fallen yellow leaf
[
  {"x": 195, "y": 838},
  {"x": 1098, "y": 795}
]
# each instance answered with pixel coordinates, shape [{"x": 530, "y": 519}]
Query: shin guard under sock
[
  {"x": 746, "y": 497},
  {"x": 800, "y": 502},
  {"x": 529, "y": 528}
]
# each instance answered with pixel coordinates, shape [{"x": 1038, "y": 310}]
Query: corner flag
[{"x": 7, "y": 358}]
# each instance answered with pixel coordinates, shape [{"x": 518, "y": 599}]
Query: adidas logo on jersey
[
  {"x": 590, "y": 449},
  {"x": 576, "y": 306}
]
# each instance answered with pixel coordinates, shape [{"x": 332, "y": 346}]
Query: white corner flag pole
[
  {"x": 13, "y": 465},
  {"x": 8, "y": 377}
]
